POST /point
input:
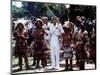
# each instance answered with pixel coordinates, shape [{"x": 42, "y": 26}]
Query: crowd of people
[{"x": 42, "y": 38}]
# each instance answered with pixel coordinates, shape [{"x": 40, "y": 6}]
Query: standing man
[
  {"x": 56, "y": 31},
  {"x": 31, "y": 28},
  {"x": 46, "y": 28}
]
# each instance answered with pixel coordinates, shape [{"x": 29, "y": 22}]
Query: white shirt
[
  {"x": 47, "y": 29},
  {"x": 30, "y": 25},
  {"x": 55, "y": 32}
]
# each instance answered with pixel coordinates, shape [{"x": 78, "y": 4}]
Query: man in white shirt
[
  {"x": 46, "y": 28},
  {"x": 56, "y": 30}
]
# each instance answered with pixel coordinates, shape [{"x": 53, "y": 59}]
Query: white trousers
[{"x": 55, "y": 52}]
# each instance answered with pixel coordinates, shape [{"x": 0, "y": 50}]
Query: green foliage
[
  {"x": 37, "y": 9},
  {"x": 18, "y": 12}
]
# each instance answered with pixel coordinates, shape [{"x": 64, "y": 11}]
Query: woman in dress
[
  {"x": 39, "y": 44},
  {"x": 21, "y": 45}
]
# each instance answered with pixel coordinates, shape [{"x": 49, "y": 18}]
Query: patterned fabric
[
  {"x": 38, "y": 34},
  {"x": 67, "y": 52},
  {"x": 67, "y": 40},
  {"x": 39, "y": 43},
  {"x": 80, "y": 52},
  {"x": 21, "y": 45}
]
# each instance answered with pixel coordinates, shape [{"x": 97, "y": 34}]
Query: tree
[{"x": 18, "y": 12}]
